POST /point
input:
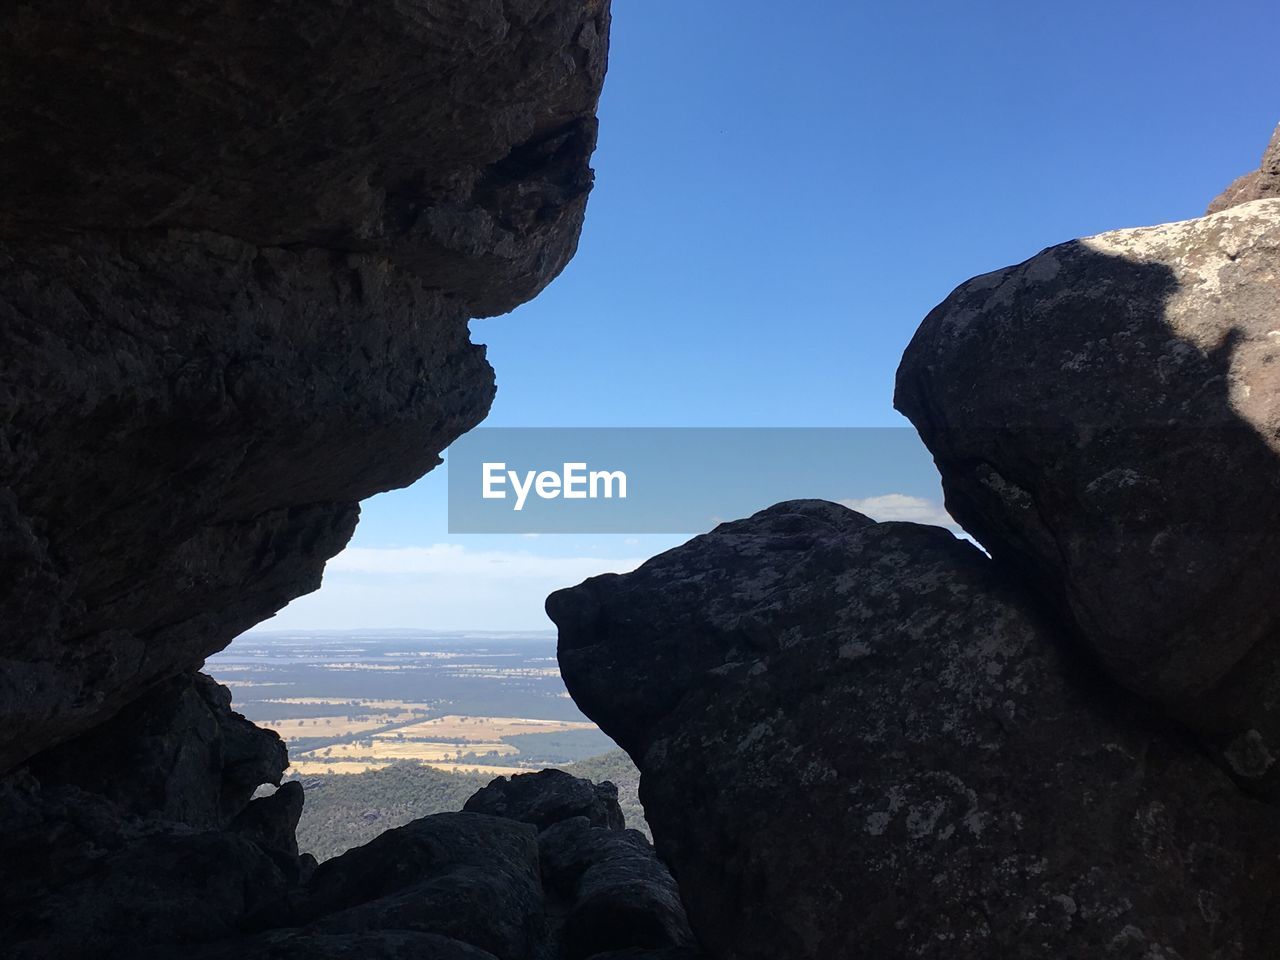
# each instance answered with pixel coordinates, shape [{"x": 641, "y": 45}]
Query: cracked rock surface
[{"x": 862, "y": 739}]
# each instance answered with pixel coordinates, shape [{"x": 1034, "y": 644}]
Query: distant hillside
[{"x": 346, "y": 810}]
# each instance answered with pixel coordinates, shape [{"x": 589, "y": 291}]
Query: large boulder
[
  {"x": 1106, "y": 419},
  {"x": 1260, "y": 184},
  {"x": 467, "y": 876},
  {"x": 178, "y": 753},
  {"x": 84, "y": 878},
  {"x": 239, "y": 248},
  {"x": 143, "y": 831},
  {"x": 603, "y": 883},
  {"x": 547, "y": 797},
  {"x": 93, "y": 873},
  {"x": 614, "y": 893},
  {"x": 857, "y": 739},
  {"x": 537, "y": 866}
]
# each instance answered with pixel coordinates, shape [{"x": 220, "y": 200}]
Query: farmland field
[
  {"x": 340, "y": 726},
  {"x": 346, "y": 703},
  {"x": 479, "y": 729},
  {"x": 406, "y": 750},
  {"x": 383, "y": 727}
]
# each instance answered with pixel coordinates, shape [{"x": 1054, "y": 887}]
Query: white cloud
[
  {"x": 901, "y": 506},
  {"x": 443, "y": 587},
  {"x": 454, "y": 587},
  {"x": 452, "y": 559}
]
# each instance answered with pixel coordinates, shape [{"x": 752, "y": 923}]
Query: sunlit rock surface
[
  {"x": 1106, "y": 419},
  {"x": 1260, "y": 184}
]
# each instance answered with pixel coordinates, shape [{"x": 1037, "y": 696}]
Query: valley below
[{"x": 384, "y": 727}]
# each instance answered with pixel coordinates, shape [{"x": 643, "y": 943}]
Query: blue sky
[{"x": 782, "y": 194}]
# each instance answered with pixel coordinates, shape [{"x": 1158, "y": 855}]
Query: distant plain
[{"x": 351, "y": 702}]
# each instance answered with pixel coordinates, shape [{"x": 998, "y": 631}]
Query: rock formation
[
  {"x": 239, "y": 249},
  {"x": 546, "y": 798},
  {"x": 143, "y": 832},
  {"x": 489, "y": 886},
  {"x": 238, "y": 252},
  {"x": 1261, "y": 184},
  {"x": 862, "y": 739},
  {"x": 180, "y": 753},
  {"x": 858, "y": 739},
  {"x": 92, "y": 870},
  {"x": 1106, "y": 419}
]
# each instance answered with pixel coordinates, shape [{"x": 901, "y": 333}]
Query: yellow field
[
  {"x": 425, "y": 741},
  {"x": 309, "y": 767},
  {"x": 405, "y": 750},
  {"x": 483, "y": 729},
  {"x": 336, "y": 726},
  {"x": 306, "y": 767}
]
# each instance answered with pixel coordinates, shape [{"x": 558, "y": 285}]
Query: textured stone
[
  {"x": 1106, "y": 419},
  {"x": 615, "y": 893},
  {"x": 271, "y": 822},
  {"x": 82, "y": 879},
  {"x": 461, "y": 875},
  {"x": 568, "y": 849},
  {"x": 604, "y": 882},
  {"x": 239, "y": 248},
  {"x": 857, "y": 739},
  {"x": 179, "y": 753},
  {"x": 95, "y": 874},
  {"x": 142, "y": 832},
  {"x": 628, "y": 901},
  {"x": 548, "y": 797},
  {"x": 1260, "y": 184}
]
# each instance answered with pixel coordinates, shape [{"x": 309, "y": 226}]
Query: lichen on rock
[
  {"x": 1106, "y": 420},
  {"x": 859, "y": 738}
]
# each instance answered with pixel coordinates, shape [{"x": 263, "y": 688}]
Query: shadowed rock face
[
  {"x": 549, "y": 797},
  {"x": 463, "y": 875},
  {"x": 858, "y": 739},
  {"x": 95, "y": 870},
  {"x": 180, "y": 753},
  {"x": 143, "y": 832},
  {"x": 1261, "y": 184},
  {"x": 489, "y": 885},
  {"x": 239, "y": 247},
  {"x": 1106, "y": 419}
]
